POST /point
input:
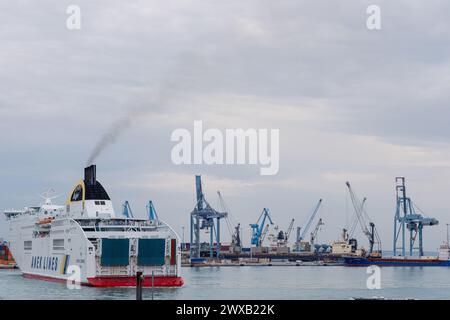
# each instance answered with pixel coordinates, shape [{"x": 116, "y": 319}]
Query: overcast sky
[{"x": 350, "y": 104}]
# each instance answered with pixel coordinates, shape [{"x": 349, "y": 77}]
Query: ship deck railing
[
  {"x": 117, "y": 225},
  {"x": 410, "y": 257}
]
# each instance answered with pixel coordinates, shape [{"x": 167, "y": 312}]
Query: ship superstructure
[{"x": 86, "y": 237}]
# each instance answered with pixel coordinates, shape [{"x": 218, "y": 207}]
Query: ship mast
[{"x": 448, "y": 243}]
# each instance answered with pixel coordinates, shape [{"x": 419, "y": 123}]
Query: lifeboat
[{"x": 45, "y": 221}]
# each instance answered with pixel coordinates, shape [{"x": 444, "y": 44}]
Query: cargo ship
[
  {"x": 86, "y": 242},
  {"x": 441, "y": 260},
  {"x": 399, "y": 261},
  {"x": 409, "y": 220}
]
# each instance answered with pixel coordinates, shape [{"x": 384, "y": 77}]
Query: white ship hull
[
  {"x": 104, "y": 252},
  {"x": 68, "y": 247}
]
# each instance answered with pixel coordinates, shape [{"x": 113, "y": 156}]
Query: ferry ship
[{"x": 54, "y": 242}]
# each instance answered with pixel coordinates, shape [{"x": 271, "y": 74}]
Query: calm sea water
[{"x": 304, "y": 282}]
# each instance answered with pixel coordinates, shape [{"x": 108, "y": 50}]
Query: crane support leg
[
  {"x": 403, "y": 239},
  {"x": 218, "y": 239},
  {"x": 395, "y": 237},
  {"x": 211, "y": 242},
  {"x": 420, "y": 241}
]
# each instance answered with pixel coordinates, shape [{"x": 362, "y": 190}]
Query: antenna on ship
[
  {"x": 448, "y": 243},
  {"x": 47, "y": 196}
]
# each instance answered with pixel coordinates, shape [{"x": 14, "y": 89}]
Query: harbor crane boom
[
  {"x": 316, "y": 230},
  {"x": 236, "y": 238},
  {"x": 310, "y": 220},
  {"x": 289, "y": 230},
  {"x": 235, "y": 231},
  {"x": 263, "y": 234},
  {"x": 283, "y": 236},
  {"x": 355, "y": 222},
  {"x": 258, "y": 231},
  {"x": 368, "y": 227}
]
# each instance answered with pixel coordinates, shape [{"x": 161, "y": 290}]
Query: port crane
[
  {"x": 289, "y": 230},
  {"x": 367, "y": 226},
  {"x": 301, "y": 235},
  {"x": 316, "y": 230},
  {"x": 283, "y": 236},
  {"x": 264, "y": 233},
  {"x": 236, "y": 237},
  {"x": 408, "y": 219},
  {"x": 204, "y": 217},
  {"x": 355, "y": 222},
  {"x": 259, "y": 229},
  {"x": 235, "y": 232}
]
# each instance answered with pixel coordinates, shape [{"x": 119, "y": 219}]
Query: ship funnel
[{"x": 90, "y": 175}]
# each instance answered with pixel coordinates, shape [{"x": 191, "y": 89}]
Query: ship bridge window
[
  {"x": 27, "y": 245},
  {"x": 58, "y": 244},
  {"x": 77, "y": 194}
]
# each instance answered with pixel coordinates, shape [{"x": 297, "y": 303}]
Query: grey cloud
[{"x": 61, "y": 90}]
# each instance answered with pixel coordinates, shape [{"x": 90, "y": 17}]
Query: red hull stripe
[
  {"x": 131, "y": 281},
  {"x": 46, "y": 278},
  {"x": 106, "y": 282}
]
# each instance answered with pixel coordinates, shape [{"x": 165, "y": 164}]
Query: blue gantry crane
[
  {"x": 408, "y": 219},
  {"x": 126, "y": 210},
  {"x": 204, "y": 217},
  {"x": 128, "y": 213},
  {"x": 258, "y": 228},
  {"x": 151, "y": 212}
]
